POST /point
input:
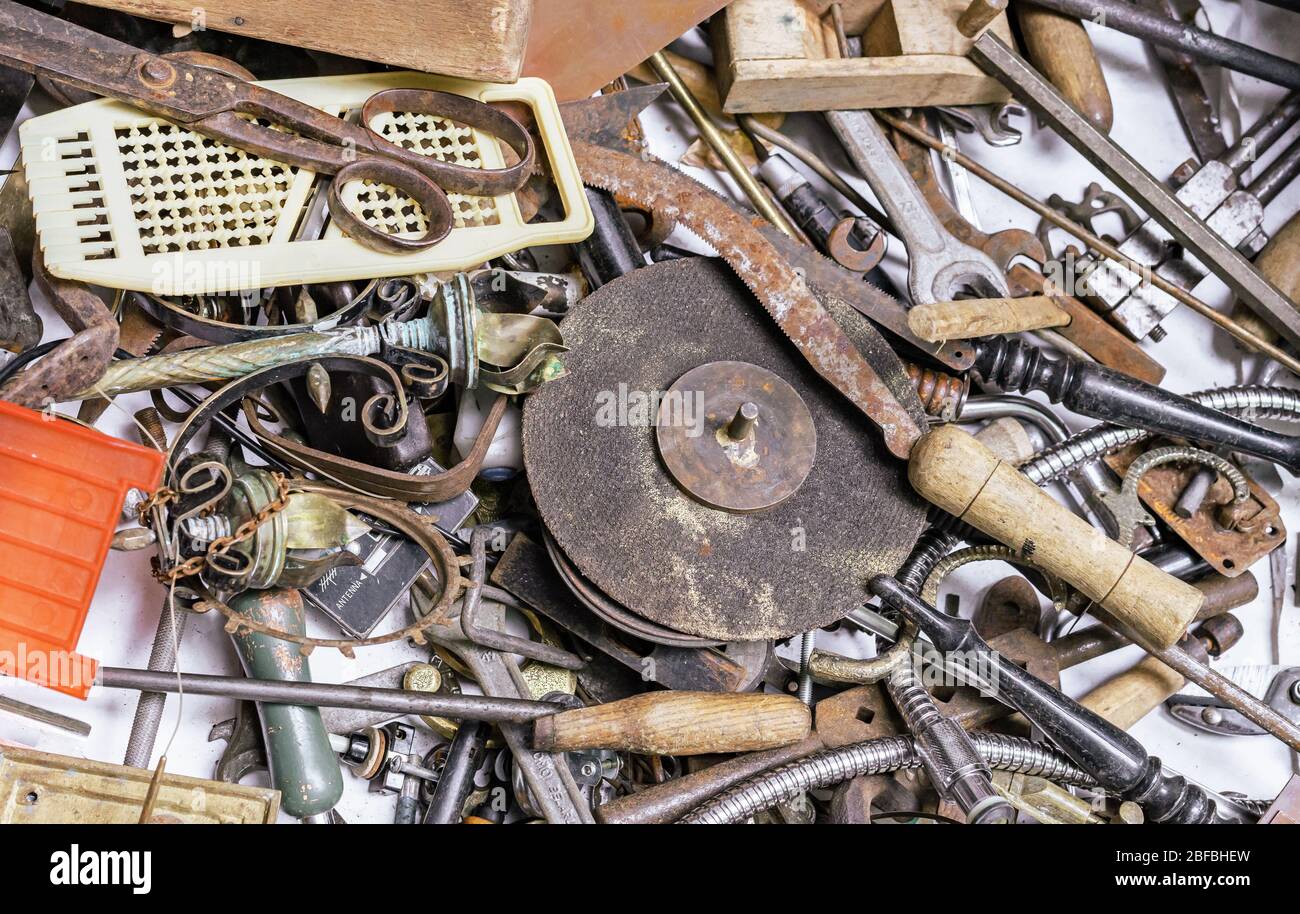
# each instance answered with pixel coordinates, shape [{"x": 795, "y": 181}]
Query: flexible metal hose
[
  {"x": 930, "y": 548},
  {"x": 991, "y": 552},
  {"x": 875, "y": 756},
  {"x": 1248, "y": 401},
  {"x": 954, "y": 765}
]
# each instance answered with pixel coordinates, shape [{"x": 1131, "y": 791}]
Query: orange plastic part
[{"x": 61, "y": 493}]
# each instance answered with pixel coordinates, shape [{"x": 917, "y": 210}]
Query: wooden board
[
  {"x": 778, "y": 55},
  {"x": 579, "y": 46},
  {"x": 466, "y": 38}
]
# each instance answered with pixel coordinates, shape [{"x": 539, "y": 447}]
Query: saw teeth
[{"x": 766, "y": 259}]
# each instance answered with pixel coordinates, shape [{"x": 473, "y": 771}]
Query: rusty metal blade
[
  {"x": 604, "y": 119},
  {"x": 778, "y": 286},
  {"x": 829, "y": 279}
]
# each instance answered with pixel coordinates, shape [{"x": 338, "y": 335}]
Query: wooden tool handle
[
  {"x": 1060, "y": 48},
  {"x": 1280, "y": 264},
  {"x": 1135, "y": 693},
  {"x": 678, "y": 723},
  {"x": 974, "y": 317},
  {"x": 966, "y": 479},
  {"x": 979, "y": 16}
]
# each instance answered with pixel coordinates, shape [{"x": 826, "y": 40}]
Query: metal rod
[
  {"x": 398, "y": 701},
  {"x": 1110, "y": 252},
  {"x": 150, "y": 705},
  {"x": 721, "y": 148},
  {"x": 1218, "y": 685},
  {"x": 1264, "y": 133},
  {"x": 1168, "y": 33},
  {"x": 1230, "y": 693},
  {"x": 1031, "y": 89},
  {"x": 1274, "y": 179},
  {"x": 44, "y": 716},
  {"x": 498, "y": 640}
]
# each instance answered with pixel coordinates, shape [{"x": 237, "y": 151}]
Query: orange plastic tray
[{"x": 61, "y": 493}]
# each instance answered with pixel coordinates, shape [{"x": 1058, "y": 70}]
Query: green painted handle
[{"x": 304, "y": 768}]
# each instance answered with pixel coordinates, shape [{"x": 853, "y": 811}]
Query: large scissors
[{"x": 220, "y": 105}]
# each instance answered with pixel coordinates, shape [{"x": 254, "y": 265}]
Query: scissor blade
[
  {"x": 15, "y": 15},
  {"x": 603, "y": 119},
  {"x": 46, "y": 46}
]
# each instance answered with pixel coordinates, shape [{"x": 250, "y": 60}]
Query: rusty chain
[{"x": 222, "y": 545}]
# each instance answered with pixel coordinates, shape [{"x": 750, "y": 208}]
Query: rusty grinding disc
[{"x": 794, "y": 553}]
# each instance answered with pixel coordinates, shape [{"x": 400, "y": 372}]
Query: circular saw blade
[{"x": 604, "y": 493}]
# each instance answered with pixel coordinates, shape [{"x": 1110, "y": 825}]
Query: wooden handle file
[
  {"x": 678, "y": 723},
  {"x": 966, "y": 479},
  {"x": 1060, "y": 48},
  {"x": 975, "y": 317}
]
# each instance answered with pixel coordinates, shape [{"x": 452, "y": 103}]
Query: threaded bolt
[
  {"x": 413, "y": 334},
  {"x": 204, "y": 530}
]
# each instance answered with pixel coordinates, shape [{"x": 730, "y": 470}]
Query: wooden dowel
[{"x": 975, "y": 317}]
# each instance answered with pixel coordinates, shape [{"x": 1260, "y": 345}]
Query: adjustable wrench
[{"x": 939, "y": 267}]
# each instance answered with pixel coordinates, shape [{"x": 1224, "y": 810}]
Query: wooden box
[
  {"x": 782, "y": 55},
  {"x": 472, "y": 39}
]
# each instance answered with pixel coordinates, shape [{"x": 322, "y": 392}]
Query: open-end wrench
[
  {"x": 557, "y": 795},
  {"x": 992, "y": 122},
  {"x": 939, "y": 267}
]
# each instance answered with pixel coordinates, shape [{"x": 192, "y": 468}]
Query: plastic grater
[{"x": 126, "y": 200}]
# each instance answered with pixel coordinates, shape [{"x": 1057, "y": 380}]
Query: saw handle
[
  {"x": 963, "y": 477},
  {"x": 969, "y": 318},
  {"x": 678, "y": 723},
  {"x": 1059, "y": 47}
]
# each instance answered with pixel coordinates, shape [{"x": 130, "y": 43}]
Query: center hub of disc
[{"x": 735, "y": 436}]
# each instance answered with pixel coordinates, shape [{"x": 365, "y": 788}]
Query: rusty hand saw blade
[
  {"x": 605, "y": 120},
  {"x": 779, "y": 286}
]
